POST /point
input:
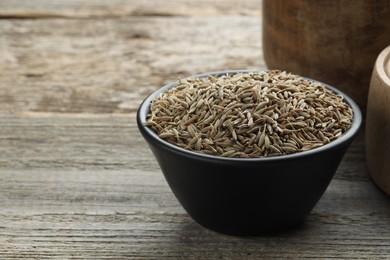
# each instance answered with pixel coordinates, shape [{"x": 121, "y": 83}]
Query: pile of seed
[{"x": 249, "y": 115}]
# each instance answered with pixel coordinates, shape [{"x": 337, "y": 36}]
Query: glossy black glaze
[{"x": 247, "y": 196}]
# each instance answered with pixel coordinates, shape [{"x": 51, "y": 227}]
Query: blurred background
[{"x": 105, "y": 56}]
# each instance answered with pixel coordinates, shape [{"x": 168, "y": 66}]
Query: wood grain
[
  {"x": 114, "y": 8},
  {"x": 110, "y": 65},
  {"x": 90, "y": 188}
]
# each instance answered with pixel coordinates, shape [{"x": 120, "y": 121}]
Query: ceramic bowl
[
  {"x": 247, "y": 196},
  {"x": 378, "y": 123}
]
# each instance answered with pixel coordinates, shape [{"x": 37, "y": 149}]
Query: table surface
[{"x": 76, "y": 178}]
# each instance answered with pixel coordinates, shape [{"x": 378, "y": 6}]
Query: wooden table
[{"x": 76, "y": 178}]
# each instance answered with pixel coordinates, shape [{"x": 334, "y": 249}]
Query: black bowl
[{"x": 249, "y": 196}]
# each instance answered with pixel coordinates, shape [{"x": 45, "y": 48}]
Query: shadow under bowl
[{"x": 247, "y": 196}]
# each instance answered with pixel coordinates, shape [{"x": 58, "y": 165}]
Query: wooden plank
[
  {"x": 33, "y": 140},
  {"x": 110, "y": 65},
  {"x": 70, "y": 186},
  {"x": 113, "y": 8}
]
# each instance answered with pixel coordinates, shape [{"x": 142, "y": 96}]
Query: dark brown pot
[{"x": 336, "y": 42}]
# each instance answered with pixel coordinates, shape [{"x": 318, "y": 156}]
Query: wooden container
[
  {"x": 334, "y": 41},
  {"x": 378, "y": 122}
]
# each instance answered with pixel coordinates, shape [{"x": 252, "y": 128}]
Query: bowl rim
[
  {"x": 144, "y": 108},
  {"x": 382, "y": 65}
]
